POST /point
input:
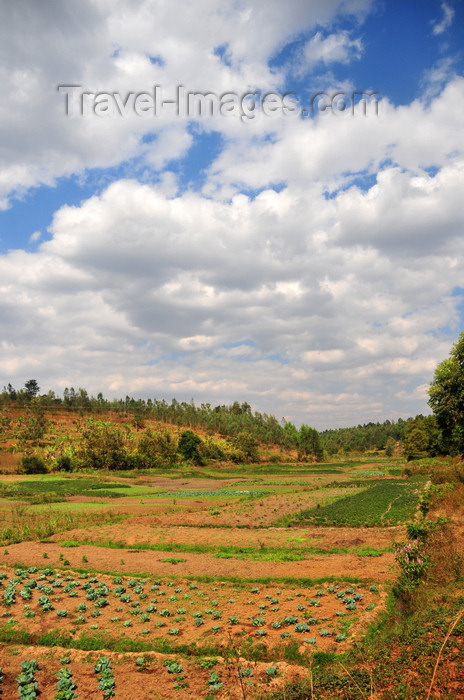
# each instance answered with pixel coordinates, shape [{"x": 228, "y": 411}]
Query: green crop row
[{"x": 385, "y": 503}]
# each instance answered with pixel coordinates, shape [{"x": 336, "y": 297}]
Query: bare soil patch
[
  {"x": 148, "y": 530},
  {"x": 315, "y": 566},
  {"x": 133, "y": 683}
]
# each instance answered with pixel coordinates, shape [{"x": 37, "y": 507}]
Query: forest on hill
[
  {"x": 225, "y": 432},
  {"x": 228, "y": 421}
]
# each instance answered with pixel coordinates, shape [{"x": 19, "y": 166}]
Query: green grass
[
  {"x": 173, "y": 560},
  {"x": 213, "y": 493},
  {"x": 239, "y": 582},
  {"x": 40, "y": 526},
  {"x": 275, "y": 555},
  {"x": 372, "y": 551},
  {"x": 61, "y": 487},
  {"x": 232, "y": 552},
  {"x": 99, "y": 641},
  {"x": 384, "y": 503},
  {"x": 66, "y": 507}
]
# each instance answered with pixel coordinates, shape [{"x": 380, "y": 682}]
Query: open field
[{"x": 207, "y": 585}]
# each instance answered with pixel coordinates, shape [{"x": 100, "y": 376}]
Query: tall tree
[
  {"x": 447, "y": 398},
  {"x": 308, "y": 443},
  {"x": 32, "y": 388}
]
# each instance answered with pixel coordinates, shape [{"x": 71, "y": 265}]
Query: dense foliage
[
  {"x": 447, "y": 398},
  {"x": 377, "y": 436}
]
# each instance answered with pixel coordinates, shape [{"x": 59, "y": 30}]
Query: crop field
[
  {"x": 385, "y": 503},
  {"x": 207, "y": 584}
]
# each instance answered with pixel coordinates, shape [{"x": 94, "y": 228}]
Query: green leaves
[
  {"x": 27, "y": 685},
  {"x": 65, "y": 685},
  {"x": 107, "y": 682},
  {"x": 446, "y": 400}
]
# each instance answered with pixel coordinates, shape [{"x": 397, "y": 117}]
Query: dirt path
[{"x": 390, "y": 506}]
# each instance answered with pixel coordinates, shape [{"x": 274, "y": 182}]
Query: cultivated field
[{"x": 203, "y": 584}]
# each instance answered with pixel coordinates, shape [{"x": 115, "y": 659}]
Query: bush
[
  {"x": 237, "y": 457},
  {"x": 33, "y": 465},
  {"x": 64, "y": 464},
  {"x": 102, "y": 446},
  {"x": 156, "y": 450},
  {"x": 134, "y": 461},
  {"x": 246, "y": 443},
  {"x": 413, "y": 562},
  {"x": 188, "y": 447},
  {"x": 209, "y": 449},
  {"x": 419, "y": 530}
]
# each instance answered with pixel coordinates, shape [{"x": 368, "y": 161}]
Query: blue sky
[{"x": 311, "y": 266}]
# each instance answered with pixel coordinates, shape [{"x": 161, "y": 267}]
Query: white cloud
[
  {"x": 326, "y": 151},
  {"x": 324, "y": 301},
  {"x": 103, "y": 47},
  {"x": 448, "y": 15},
  {"x": 163, "y": 295},
  {"x": 334, "y": 48}
]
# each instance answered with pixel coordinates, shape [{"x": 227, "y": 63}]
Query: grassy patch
[
  {"x": 239, "y": 582},
  {"x": 173, "y": 560},
  {"x": 66, "y": 507},
  {"x": 384, "y": 503},
  {"x": 273, "y": 555},
  {"x": 232, "y": 552},
  {"x": 69, "y": 543},
  {"x": 32, "y": 488},
  {"x": 40, "y": 526},
  {"x": 372, "y": 551}
]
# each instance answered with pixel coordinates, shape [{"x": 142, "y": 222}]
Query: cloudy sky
[{"x": 293, "y": 241}]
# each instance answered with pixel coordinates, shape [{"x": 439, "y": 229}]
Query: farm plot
[
  {"x": 96, "y": 675},
  {"x": 385, "y": 503},
  {"x": 255, "y": 509},
  {"x": 190, "y": 587},
  {"x": 50, "y": 604},
  {"x": 143, "y": 533}
]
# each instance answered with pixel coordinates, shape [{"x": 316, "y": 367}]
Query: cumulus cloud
[
  {"x": 326, "y": 150},
  {"x": 313, "y": 274},
  {"x": 194, "y": 297},
  {"x": 103, "y": 46},
  {"x": 334, "y": 48}
]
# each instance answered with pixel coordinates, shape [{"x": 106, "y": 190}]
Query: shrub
[
  {"x": 209, "y": 449},
  {"x": 102, "y": 446},
  {"x": 33, "y": 465},
  {"x": 188, "y": 447},
  {"x": 412, "y": 560},
  {"x": 156, "y": 450},
  {"x": 247, "y": 445},
  {"x": 64, "y": 464}
]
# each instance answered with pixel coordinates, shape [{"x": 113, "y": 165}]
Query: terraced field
[{"x": 221, "y": 585}]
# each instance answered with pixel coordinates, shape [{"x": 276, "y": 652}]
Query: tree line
[
  {"x": 225, "y": 420},
  {"x": 236, "y": 423},
  {"x": 441, "y": 433}
]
